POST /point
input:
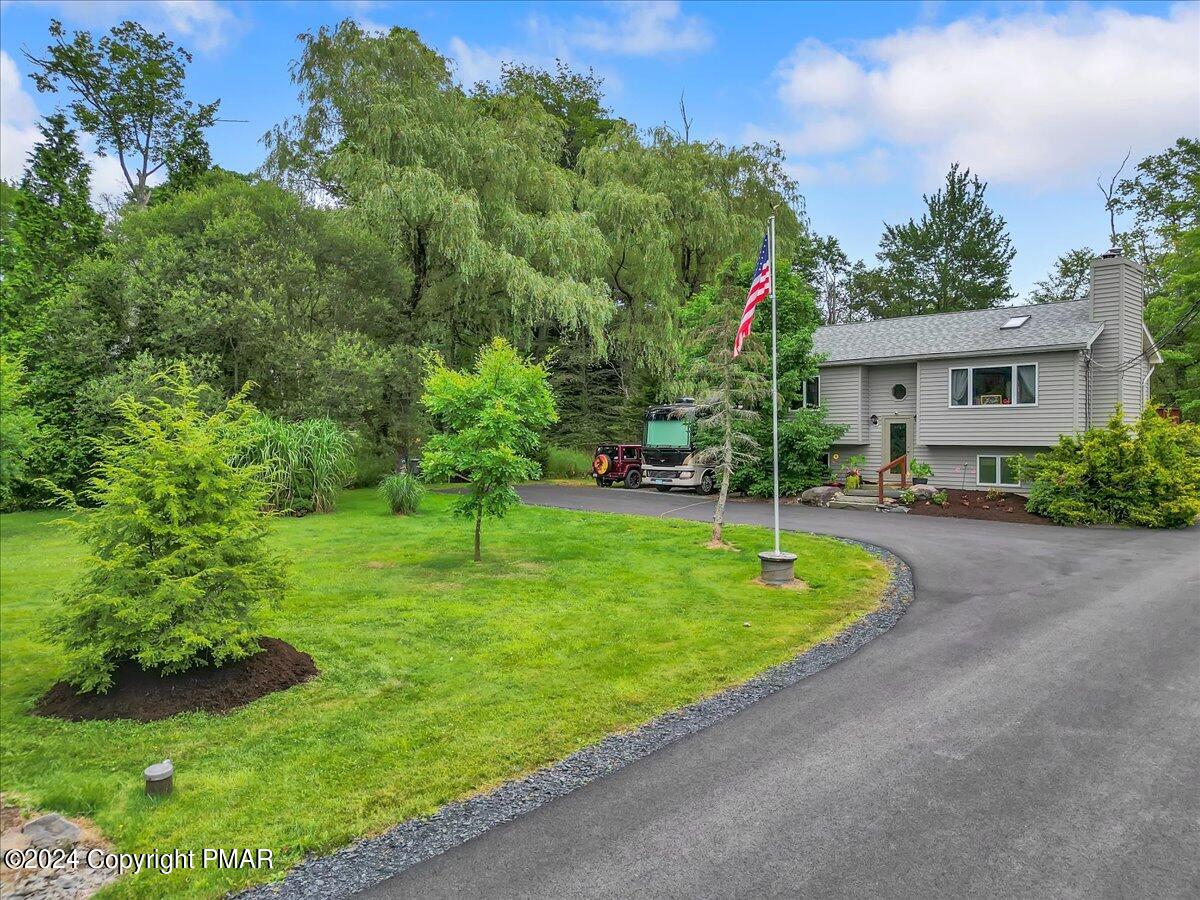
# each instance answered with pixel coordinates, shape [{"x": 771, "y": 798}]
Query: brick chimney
[{"x": 1118, "y": 370}]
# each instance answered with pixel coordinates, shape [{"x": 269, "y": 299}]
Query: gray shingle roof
[{"x": 1065, "y": 325}]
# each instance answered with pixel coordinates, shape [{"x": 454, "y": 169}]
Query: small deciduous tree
[
  {"x": 178, "y": 567},
  {"x": 490, "y": 421}
]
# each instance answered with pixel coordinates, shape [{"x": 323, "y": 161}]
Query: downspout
[{"x": 1087, "y": 388}]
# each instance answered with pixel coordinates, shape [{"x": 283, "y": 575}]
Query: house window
[
  {"x": 994, "y": 385},
  {"x": 899, "y": 391},
  {"x": 810, "y": 396},
  {"x": 998, "y": 471}
]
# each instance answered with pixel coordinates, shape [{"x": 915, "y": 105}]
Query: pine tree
[
  {"x": 957, "y": 257},
  {"x": 50, "y": 225}
]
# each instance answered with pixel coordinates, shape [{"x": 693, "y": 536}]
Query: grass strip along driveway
[{"x": 438, "y": 678}]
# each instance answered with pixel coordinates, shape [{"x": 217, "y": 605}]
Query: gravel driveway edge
[{"x": 371, "y": 860}]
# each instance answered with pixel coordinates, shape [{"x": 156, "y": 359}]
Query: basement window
[
  {"x": 1015, "y": 322},
  {"x": 998, "y": 471}
]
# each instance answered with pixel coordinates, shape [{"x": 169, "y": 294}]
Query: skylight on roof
[{"x": 1015, "y": 322}]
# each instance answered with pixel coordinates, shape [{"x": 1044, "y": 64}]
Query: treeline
[{"x": 399, "y": 213}]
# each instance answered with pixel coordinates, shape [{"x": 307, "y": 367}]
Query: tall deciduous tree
[
  {"x": 831, "y": 276},
  {"x": 1164, "y": 200},
  {"x": 490, "y": 420},
  {"x": 1172, "y": 316},
  {"x": 574, "y": 99},
  {"x": 958, "y": 256},
  {"x": 1069, "y": 279},
  {"x": 48, "y": 225},
  {"x": 128, "y": 92}
]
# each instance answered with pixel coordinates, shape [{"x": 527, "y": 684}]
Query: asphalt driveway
[{"x": 1031, "y": 727}]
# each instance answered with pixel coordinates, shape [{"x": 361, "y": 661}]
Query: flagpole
[{"x": 774, "y": 382}]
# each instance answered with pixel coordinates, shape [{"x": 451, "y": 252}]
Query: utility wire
[{"x": 1156, "y": 344}]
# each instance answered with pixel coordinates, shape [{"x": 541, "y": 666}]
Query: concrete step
[
  {"x": 845, "y": 502},
  {"x": 872, "y": 491}
]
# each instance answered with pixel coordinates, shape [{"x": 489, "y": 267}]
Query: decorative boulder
[
  {"x": 820, "y": 495},
  {"x": 923, "y": 491}
]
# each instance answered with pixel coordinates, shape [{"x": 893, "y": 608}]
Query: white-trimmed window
[
  {"x": 997, "y": 470},
  {"x": 1013, "y": 385}
]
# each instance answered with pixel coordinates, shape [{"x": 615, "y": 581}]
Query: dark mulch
[
  {"x": 976, "y": 505},
  {"x": 148, "y": 697}
]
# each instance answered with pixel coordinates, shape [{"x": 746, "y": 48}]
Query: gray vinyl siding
[
  {"x": 842, "y": 397},
  {"x": 1116, "y": 297},
  {"x": 1057, "y": 411}
]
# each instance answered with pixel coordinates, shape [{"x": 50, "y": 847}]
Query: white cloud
[
  {"x": 476, "y": 64},
  {"x": 18, "y": 114},
  {"x": 1033, "y": 99},
  {"x": 204, "y": 26},
  {"x": 19, "y": 134},
  {"x": 643, "y": 29}
]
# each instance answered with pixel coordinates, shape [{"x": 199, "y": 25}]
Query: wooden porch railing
[{"x": 902, "y": 462}]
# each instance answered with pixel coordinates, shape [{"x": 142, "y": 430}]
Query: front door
[{"x": 897, "y": 441}]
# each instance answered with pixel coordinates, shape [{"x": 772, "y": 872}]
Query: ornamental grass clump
[
  {"x": 178, "y": 568},
  {"x": 403, "y": 493},
  {"x": 306, "y": 463},
  {"x": 1146, "y": 473}
]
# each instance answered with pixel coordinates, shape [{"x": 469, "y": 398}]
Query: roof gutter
[{"x": 914, "y": 357}]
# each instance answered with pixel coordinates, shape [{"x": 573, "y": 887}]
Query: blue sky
[{"x": 871, "y": 101}]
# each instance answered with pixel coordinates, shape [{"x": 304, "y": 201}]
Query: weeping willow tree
[
  {"x": 672, "y": 210},
  {"x": 466, "y": 191}
]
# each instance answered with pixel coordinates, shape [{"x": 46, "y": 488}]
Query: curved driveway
[{"x": 1031, "y": 727}]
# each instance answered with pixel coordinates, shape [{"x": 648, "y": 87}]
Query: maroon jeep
[{"x": 618, "y": 462}]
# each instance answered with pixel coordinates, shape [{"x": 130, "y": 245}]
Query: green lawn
[{"x": 439, "y": 677}]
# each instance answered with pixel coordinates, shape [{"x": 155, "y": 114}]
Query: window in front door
[{"x": 897, "y": 440}]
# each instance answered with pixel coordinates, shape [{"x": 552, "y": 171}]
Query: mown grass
[{"x": 439, "y": 677}]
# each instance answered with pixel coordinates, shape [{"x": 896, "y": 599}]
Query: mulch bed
[
  {"x": 976, "y": 505},
  {"x": 148, "y": 696}
]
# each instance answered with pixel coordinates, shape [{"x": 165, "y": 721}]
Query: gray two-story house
[{"x": 967, "y": 392}]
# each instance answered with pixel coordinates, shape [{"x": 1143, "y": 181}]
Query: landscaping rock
[
  {"x": 820, "y": 495},
  {"x": 13, "y": 839},
  {"x": 51, "y": 830},
  {"x": 923, "y": 491}
]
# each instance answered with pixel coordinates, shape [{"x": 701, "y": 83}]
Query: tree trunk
[
  {"x": 478, "y": 523},
  {"x": 726, "y": 464}
]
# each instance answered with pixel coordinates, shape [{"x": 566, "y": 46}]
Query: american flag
[{"x": 760, "y": 289}]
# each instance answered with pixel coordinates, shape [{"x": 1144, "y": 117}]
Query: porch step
[
  {"x": 853, "y": 502},
  {"x": 872, "y": 491}
]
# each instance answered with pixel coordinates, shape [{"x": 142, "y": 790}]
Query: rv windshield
[{"x": 667, "y": 433}]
